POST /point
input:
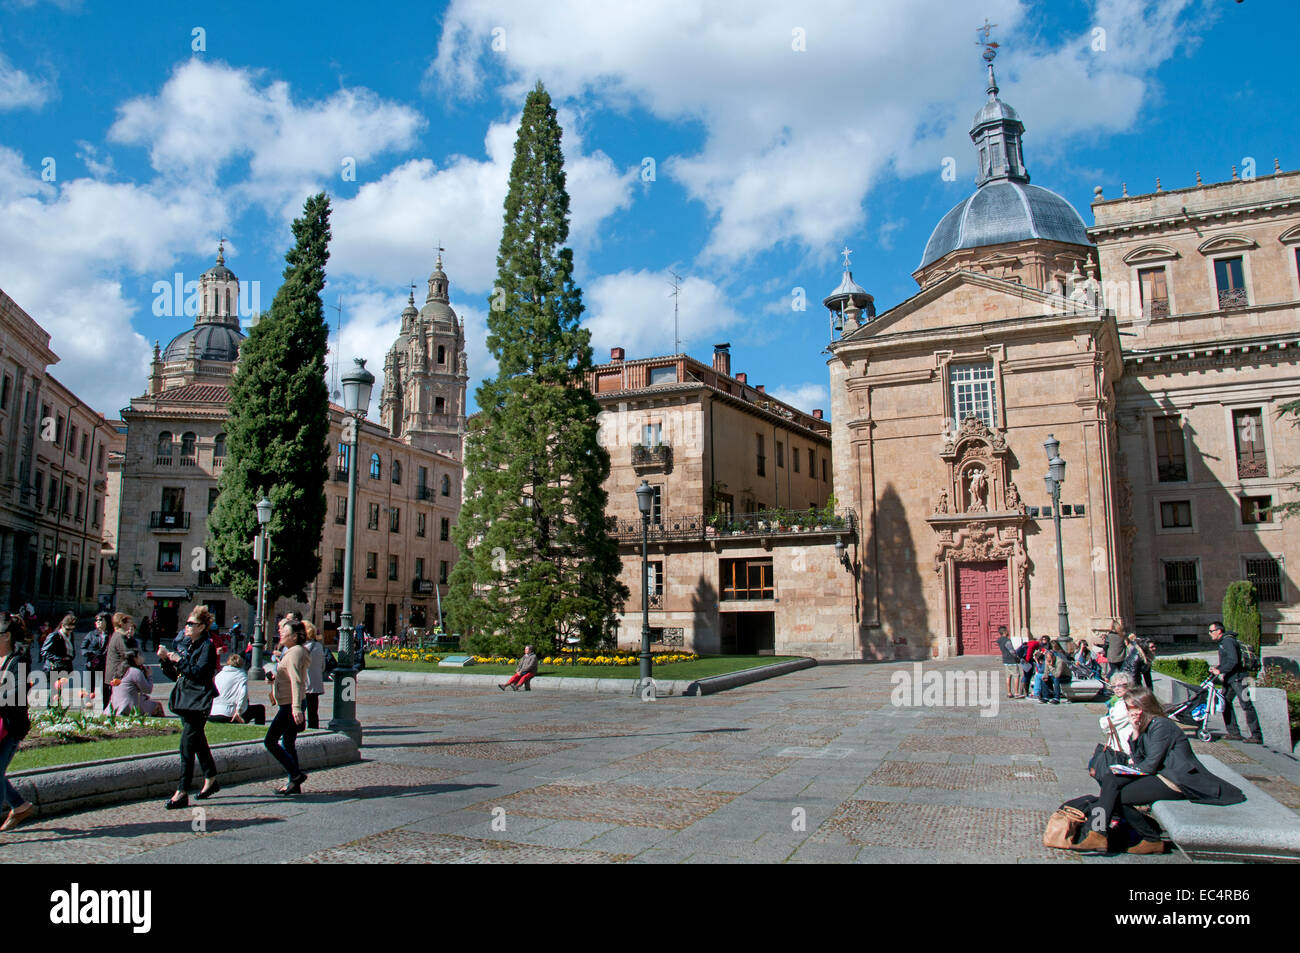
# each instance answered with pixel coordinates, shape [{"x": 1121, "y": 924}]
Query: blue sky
[{"x": 778, "y": 132}]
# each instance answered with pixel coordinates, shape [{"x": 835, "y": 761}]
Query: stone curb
[
  {"x": 548, "y": 683},
  {"x": 76, "y": 787},
  {"x": 615, "y": 686},
  {"x": 720, "y": 683}
]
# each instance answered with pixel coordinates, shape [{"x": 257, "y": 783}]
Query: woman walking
[
  {"x": 315, "y": 674},
  {"x": 289, "y": 692},
  {"x": 191, "y": 700},
  {"x": 14, "y": 723}
]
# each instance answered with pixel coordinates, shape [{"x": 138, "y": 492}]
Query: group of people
[
  {"x": 1040, "y": 668},
  {"x": 204, "y": 690},
  {"x": 1146, "y": 757}
]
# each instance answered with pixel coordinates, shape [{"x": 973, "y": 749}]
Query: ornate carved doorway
[{"x": 984, "y": 603}]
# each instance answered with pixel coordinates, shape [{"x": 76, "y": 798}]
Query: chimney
[
  {"x": 722, "y": 358},
  {"x": 742, "y": 377},
  {"x": 761, "y": 388},
  {"x": 817, "y": 414},
  {"x": 616, "y": 354}
]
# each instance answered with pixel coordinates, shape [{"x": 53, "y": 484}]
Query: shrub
[
  {"x": 1190, "y": 670},
  {"x": 1241, "y": 612}
]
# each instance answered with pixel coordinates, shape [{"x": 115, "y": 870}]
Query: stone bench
[
  {"x": 1261, "y": 829},
  {"x": 1083, "y": 689}
]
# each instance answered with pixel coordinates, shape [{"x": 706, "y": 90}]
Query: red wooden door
[{"x": 983, "y": 596}]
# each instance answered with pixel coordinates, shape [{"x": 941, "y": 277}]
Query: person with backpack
[
  {"x": 1137, "y": 662},
  {"x": 1236, "y": 661},
  {"x": 14, "y": 722}
]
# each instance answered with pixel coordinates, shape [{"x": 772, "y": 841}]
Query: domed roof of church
[
  {"x": 1001, "y": 211},
  {"x": 219, "y": 270},
  {"x": 437, "y": 306},
  {"x": 212, "y": 342}
]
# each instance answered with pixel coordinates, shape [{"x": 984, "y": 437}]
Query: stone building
[
  {"x": 54, "y": 452},
  {"x": 742, "y": 550},
  {"x": 941, "y": 407},
  {"x": 1205, "y": 282},
  {"x": 408, "y": 493}
]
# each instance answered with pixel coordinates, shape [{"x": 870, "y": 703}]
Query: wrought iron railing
[
  {"x": 207, "y": 579},
  {"x": 656, "y": 600},
  {"x": 1233, "y": 298},
  {"x": 1248, "y": 469},
  {"x": 721, "y": 525},
  {"x": 341, "y": 474},
  {"x": 424, "y": 493},
  {"x": 1171, "y": 472},
  {"x": 336, "y": 579},
  {"x": 161, "y": 520},
  {"x": 1158, "y": 308},
  {"x": 659, "y": 455}
]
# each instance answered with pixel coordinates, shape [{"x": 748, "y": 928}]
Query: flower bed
[
  {"x": 61, "y": 726},
  {"x": 613, "y": 659}
]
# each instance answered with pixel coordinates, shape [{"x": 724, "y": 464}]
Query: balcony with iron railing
[
  {"x": 1171, "y": 472},
  {"x": 1233, "y": 298},
  {"x": 1159, "y": 308},
  {"x": 766, "y": 523},
  {"x": 651, "y": 457},
  {"x": 336, "y": 579},
  {"x": 207, "y": 580},
  {"x": 162, "y": 461},
  {"x": 424, "y": 493},
  {"x": 341, "y": 474},
  {"x": 1252, "y": 468},
  {"x": 168, "y": 521},
  {"x": 656, "y": 600}
]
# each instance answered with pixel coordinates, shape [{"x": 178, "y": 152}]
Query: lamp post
[
  {"x": 357, "y": 384},
  {"x": 644, "y": 501},
  {"x": 1053, "y": 480},
  {"x": 264, "y": 507}
]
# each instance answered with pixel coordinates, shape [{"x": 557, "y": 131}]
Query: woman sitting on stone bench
[{"x": 1168, "y": 770}]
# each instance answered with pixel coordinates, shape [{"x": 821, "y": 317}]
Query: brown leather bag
[{"x": 1063, "y": 828}]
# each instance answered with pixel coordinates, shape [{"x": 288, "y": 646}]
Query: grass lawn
[
  {"x": 689, "y": 671},
  {"x": 53, "y": 755}
]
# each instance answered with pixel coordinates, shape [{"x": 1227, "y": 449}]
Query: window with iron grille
[
  {"x": 1265, "y": 573},
  {"x": 655, "y": 583},
  {"x": 1182, "y": 587},
  {"x": 1171, "y": 460},
  {"x": 1248, "y": 430},
  {"x": 1229, "y": 278},
  {"x": 746, "y": 579},
  {"x": 1155, "y": 292},
  {"x": 973, "y": 392}
]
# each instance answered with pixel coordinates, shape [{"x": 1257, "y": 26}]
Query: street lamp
[
  {"x": 264, "y": 508},
  {"x": 1054, "y": 478},
  {"x": 645, "y": 495},
  {"x": 357, "y": 384}
]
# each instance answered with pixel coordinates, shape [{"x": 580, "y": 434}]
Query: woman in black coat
[
  {"x": 191, "y": 699},
  {"x": 13, "y": 715},
  {"x": 1169, "y": 771}
]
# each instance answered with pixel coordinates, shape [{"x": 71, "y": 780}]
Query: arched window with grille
[
  {"x": 189, "y": 443},
  {"x": 165, "y": 447},
  {"x": 219, "y": 446},
  {"x": 375, "y": 466}
]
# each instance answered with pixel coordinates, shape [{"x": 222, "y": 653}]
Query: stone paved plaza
[{"x": 813, "y": 766}]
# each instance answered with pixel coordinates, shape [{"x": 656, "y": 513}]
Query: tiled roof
[{"x": 196, "y": 393}]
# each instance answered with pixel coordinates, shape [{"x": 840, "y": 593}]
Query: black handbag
[
  {"x": 189, "y": 697},
  {"x": 1102, "y": 759}
]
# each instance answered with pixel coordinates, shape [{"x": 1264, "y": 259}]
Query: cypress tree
[
  {"x": 536, "y": 562},
  {"x": 1241, "y": 612},
  {"x": 278, "y": 430}
]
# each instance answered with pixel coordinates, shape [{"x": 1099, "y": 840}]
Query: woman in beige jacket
[{"x": 289, "y": 691}]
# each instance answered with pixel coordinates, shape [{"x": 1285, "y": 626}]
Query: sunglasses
[{"x": 192, "y": 622}]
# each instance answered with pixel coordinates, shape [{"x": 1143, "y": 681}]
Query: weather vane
[
  {"x": 990, "y": 48},
  {"x": 846, "y": 252}
]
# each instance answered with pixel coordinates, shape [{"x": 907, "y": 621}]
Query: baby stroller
[{"x": 1197, "y": 709}]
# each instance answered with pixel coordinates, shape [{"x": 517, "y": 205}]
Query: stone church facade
[
  {"x": 408, "y": 492},
  {"x": 1166, "y": 416}
]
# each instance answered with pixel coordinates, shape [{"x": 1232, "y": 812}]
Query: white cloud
[
  {"x": 794, "y": 141},
  {"x": 807, "y": 397},
  {"x": 18, "y": 90},
  {"x": 389, "y": 230},
  {"x": 64, "y": 252},
  {"x": 208, "y": 114},
  {"x": 634, "y": 310}
]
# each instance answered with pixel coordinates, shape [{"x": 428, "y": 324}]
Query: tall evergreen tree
[
  {"x": 536, "y": 562},
  {"x": 278, "y": 430}
]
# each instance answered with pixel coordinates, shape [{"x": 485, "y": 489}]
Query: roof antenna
[
  {"x": 335, "y": 393},
  {"x": 677, "y": 289}
]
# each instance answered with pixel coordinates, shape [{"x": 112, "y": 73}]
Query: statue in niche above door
[{"x": 977, "y": 487}]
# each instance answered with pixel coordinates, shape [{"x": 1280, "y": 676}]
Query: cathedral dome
[
  {"x": 1004, "y": 210},
  {"x": 212, "y": 342}
]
